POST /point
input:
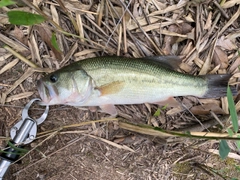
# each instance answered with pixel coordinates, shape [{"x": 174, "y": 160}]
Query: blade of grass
[
  {"x": 232, "y": 110},
  {"x": 223, "y": 149}
]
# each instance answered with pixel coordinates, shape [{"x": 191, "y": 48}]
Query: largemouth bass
[{"x": 108, "y": 81}]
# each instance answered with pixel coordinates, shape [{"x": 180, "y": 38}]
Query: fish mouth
[
  {"x": 45, "y": 93},
  {"x": 48, "y": 93},
  {"x": 42, "y": 90}
]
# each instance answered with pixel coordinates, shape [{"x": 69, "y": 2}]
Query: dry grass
[{"x": 205, "y": 34}]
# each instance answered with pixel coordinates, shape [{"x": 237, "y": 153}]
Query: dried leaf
[
  {"x": 209, "y": 21},
  {"x": 18, "y": 33},
  {"x": 80, "y": 26},
  {"x": 78, "y": 6},
  {"x": 220, "y": 57},
  {"x": 46, "y": 36},
  {"x": 185, "y": 67},
  {"x": 233, "y": 35},
  {"x": 230, "y": 3},
  {"x": 9, "y": 66},
  {"x": 120, "y": 12},
  {"x": 189, "y": 18},
  {"x": 174, "y": 111},
  {"x": 231, "y": 21},
  {"x": 206, "y": 108},
  {"x": 154, "y": 122},
  {"x": 159, "y": 5},
  {"x": 235, "y": 65},
  {"x": 169, "y": 8},
  {"x": 4, "y": 56},
  {"x": 187, "y": 48},
  {"x": 209, "y": 101},
  {"x": 226, "y": 43},
  {"x": 11, "y": 43},
  {"x": 100, "y": 9},
  {"x": 19, "y": 96},
  {"x": 135, "y": 10},
  {"x": 54, "y": 14},
  {"x": 175, "y": 31},
  {"x": 170, "y": 40},
  {"x": 208, "y": 61}
]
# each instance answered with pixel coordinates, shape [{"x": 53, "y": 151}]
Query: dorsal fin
[{"x": 170, "y": 62}]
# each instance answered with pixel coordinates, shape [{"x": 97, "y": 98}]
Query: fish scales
[{"x": 143, "y": 77}]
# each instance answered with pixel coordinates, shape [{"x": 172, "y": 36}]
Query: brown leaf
[
  {"x": 186, "y": 28},
  {"x": 226, "y": 43},
  {"x": 18, "y": 33},
  {"x": 206, "y": 108},
  {"x": 46, "y": 36},
  {"x": 169, "y": 40},
  {"x": 235, "y": 65},
  {"x": 220, "y": 57},
  {"x": 78, "y": 6},
  {"x": 187, "y": 48},
  {"x": 209, "y": 21},
  {"x": 120, "y": 12},
  {"x": 127, "y": 139},
  {"x": 136, "y": 13}
]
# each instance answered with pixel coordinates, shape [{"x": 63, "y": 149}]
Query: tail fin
[{"x": 217, "y": 85}]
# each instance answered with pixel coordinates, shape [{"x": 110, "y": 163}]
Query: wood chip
[
  {"x": 15, "y": 45},
  {"x": 230, "y": 22},
  {"x": 19, "y": 96},
  {"x": 226, "y": 43},
  {"x": 230, "y": 4},
  {"x": 9, "y": 66},
  {"x": 112, "y": 143}
]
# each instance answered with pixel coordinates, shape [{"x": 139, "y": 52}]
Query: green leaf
[
  {"x": 230, "y": 132},
  {"x": 54, "y": 42},
  {"x": 157, "y": 113},
  {"x": 223, "y": 149},
  {"x": 24, "y": 18},
  {"x": 232, "y": 110},
  {"x": 165, "y": 107},
  {"x": 238, "y": 143},
  {"x": 6, "y": 3},
  {"x": 237, "y": 168}
]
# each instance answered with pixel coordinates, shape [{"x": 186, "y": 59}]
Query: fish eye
[{"x": 53, "y": 78}]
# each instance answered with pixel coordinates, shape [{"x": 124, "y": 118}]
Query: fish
[{"x": 113, "y": 80}]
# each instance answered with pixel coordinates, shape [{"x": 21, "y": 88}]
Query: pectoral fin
[
  {"x": 111, "y": 88},
  {"x": 110, "y": 109}
]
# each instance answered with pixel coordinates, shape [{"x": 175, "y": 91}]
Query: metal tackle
[{"x": 22, "y": 133}]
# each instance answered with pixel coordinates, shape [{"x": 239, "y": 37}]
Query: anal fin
[{"x": 110, "y": 109}]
